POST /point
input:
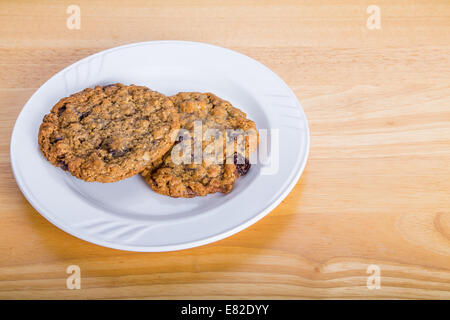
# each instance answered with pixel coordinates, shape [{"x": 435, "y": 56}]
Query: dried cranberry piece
[
  {"x": 118, "y": 153},
  {"x": 242, "y": 164},
  {"x": 190, "y": 193},
  {"x": 63, "y": 165},
  {"x": 56, "y": 140},
  {"x": 61, "y": 110},
  {"x": 83, "y": 115},
  {"x": 180, "y": 138}
]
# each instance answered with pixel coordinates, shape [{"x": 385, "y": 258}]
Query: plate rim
[{"x": 173, "y": 247}]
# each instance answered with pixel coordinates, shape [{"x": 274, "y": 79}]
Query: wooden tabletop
[{"x": 374, "y": 198}]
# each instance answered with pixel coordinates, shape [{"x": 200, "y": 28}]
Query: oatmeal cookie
[
  {"x": 233, "y": 136},
  {"x": 108, "y": 133}
]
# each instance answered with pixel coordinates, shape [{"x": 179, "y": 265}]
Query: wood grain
[{"x": 376, "y": 189}]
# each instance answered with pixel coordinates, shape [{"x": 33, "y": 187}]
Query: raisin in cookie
[
  {"x": 216, "y": 155},
  {"x": 108, "y": 133}
]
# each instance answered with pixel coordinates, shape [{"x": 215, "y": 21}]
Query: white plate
[{"x": 128, "y": 215}]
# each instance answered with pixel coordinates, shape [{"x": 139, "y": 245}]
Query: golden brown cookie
[
  {"x": 219, "y": 170},
  {"x": 108, "y": 133}
]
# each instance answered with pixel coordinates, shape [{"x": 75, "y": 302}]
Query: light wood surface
[{"x": 376, "y": 189}]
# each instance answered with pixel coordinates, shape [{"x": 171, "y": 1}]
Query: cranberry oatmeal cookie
[
  {"x": 219, "y": 171},
  {"x": 108, "y": 133}
]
